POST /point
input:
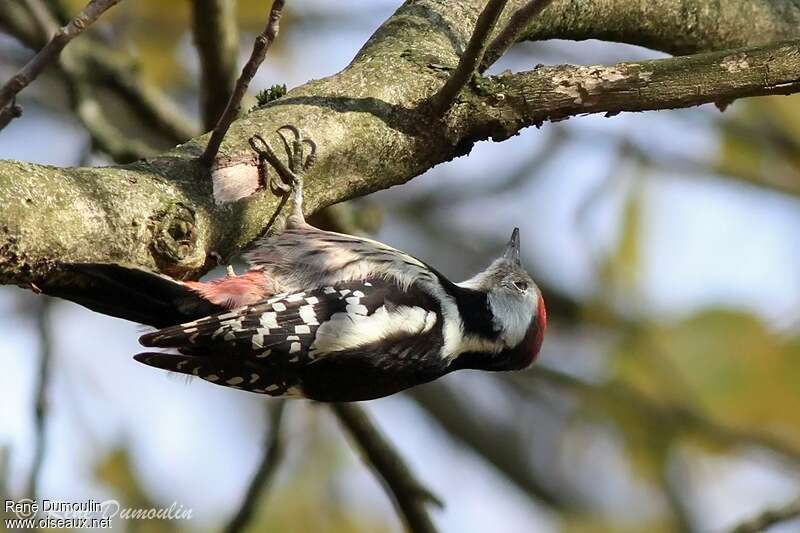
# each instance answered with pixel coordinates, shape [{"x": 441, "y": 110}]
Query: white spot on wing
[
  {"x": 345, "y": 331},
  {"x": 302, "y": 329},
  {"x": 278, "y": 306},
  {"x": 269, "y": 320},
  {"x": 235, "y": 381},
  {"x": 357, "y": 309},
  {"x": 308, "y": 315}
]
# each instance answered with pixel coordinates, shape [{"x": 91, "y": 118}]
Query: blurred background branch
[
  {"x": 273, "y": 454},
  {"x": 217, "y": 41},
  {"x": 410, "y": 496}
]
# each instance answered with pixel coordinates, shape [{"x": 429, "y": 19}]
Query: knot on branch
[{"x": 175, "y": 239}]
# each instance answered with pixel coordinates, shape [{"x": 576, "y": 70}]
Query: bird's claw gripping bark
[{"x": 291, "y": 177}]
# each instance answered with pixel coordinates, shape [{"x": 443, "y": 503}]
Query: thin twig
[
  {"x": 260, "y": 48},
  {"x": 216, "y": 40},
  {"x": 408, "y": 494},
  {"x": 52, "y": 49},
  {"x": 515, "y": 28},
  {"x": 770, "y": 518},
  {"x": 468, "y": 63},
  {"x": 40, "y": 400},
  {"x": 273, "y": 453}
]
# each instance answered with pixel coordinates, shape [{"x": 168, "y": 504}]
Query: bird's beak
[{"x": 512, "y": 249}]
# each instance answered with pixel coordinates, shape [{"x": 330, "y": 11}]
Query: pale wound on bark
[
  {"x": 735, "y": 63},
  {"x": 234, "y": 178},
  {"x": 581, "y": 83}
]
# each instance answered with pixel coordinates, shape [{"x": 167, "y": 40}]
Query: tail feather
[
  {"x": 238, "y": 376},
  {"x": 138, "y": 295}
]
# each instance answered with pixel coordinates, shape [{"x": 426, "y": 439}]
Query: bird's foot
[{"x": 291, "y": 176}]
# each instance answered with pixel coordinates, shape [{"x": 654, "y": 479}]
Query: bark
[
  {"x": 675, "y": 26},
  {"x": 374, "y": 129}
]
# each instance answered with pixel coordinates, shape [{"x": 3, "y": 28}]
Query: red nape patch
[{"x": 541, "y": 326}]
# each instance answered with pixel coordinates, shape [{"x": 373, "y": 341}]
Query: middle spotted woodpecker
[{"x": 333, "y": 317}]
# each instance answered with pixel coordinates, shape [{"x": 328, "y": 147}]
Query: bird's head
[{"x": 514, "y": 300}]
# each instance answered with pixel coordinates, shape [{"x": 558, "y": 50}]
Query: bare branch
[
  {"x": 769, "y": 518},
  {"x": 516, "y": 27},
  {"x": 408, "y": 494},
  {"x": 510, "y": 102},
  {"x": 52, "y": 49},
  {"x": 216, "y": 40},
  {"x": 468, "y": 63},
  {"x": 9, "y": 113},
  {"x": 42, "y": 312},
  {"x": 260, "y": 48},
  {"x": 273, "y": 453},
  {"x": 676, "y": 27}
]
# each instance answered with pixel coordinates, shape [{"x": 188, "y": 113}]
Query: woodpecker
[{"x": 333, "y": 317}]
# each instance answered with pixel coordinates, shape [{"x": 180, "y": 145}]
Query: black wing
[{"x": 269, "y": 347}]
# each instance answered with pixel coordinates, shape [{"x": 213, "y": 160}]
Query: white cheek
[{"x": 512, "y": 316}]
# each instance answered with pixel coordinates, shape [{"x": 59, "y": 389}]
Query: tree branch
[
  {"x": 216, "y": 40},
  {"x": 52, "y": 49},
  {"x": 675, "y": 417},
  {"x": 40, "y": 406},
  {"x": 273, "y": 454},
  {"x": 468, "y": 63},
  {"x": 92, "y": 62},
  {"x": 510, "y": 102},
  {"x": 515, "y": 28},
  {"x": 409, "y": 495},
  {"x": 260, "y": 48},
  {"x": 160, "y": 214},
  {"x": 769, "y": 518},
  {"x": 491, "y": 439},
  {"x": 678, "y": 27}
]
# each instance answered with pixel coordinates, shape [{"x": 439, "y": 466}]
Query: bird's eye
[{"x": 521, "y": 286}]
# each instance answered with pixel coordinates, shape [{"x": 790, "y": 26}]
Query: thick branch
[
  {"x": 160, "y": 214},
  {"x": 409, "y": 495},
  {"x": 52, "y": 49},
  {"x": 216, "y": 40},
  {"x": 675, "y": 26}
]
